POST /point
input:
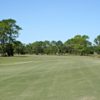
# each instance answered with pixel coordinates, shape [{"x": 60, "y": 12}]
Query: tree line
[{"x": 78, "y": 45}]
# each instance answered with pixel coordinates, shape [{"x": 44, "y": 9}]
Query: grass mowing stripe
[{"x": 16, "y": 63}]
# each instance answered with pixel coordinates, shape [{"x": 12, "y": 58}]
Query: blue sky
[{"x": 53, "y": 19}]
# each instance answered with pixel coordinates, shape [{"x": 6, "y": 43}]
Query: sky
[{"x": 53, "y": 19}]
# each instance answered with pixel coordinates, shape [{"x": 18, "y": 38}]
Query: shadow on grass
[{"x": 14, "y": 56}]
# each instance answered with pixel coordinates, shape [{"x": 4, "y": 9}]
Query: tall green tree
[
  {"x": 9, "y": 31},
  {"x": 3, "y": 37}
]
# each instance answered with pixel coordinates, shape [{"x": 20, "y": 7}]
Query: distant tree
[
  {"x": 46, "y": 47},
  {"x": 97, "y": 40},
  {"x": 78, "y": 44},
  {"x": 19, "y": 47},
  {"x": 29, "y": 48},
  {"x": 97, "y": 44},
  {"x": 0, "y": 49},
  {"x": 38, "y": 47},
  {"x": 60, "y": 47}
]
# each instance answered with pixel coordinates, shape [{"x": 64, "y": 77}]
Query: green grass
[{"x": 49, "y": 78}]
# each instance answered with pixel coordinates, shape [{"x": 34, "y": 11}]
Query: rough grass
[{"x": 49, "y": 78}]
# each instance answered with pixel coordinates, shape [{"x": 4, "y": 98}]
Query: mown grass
[{"x": 49, "y": 78}]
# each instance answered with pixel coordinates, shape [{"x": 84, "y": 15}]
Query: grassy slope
[{"x": 50, "y": 78}]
